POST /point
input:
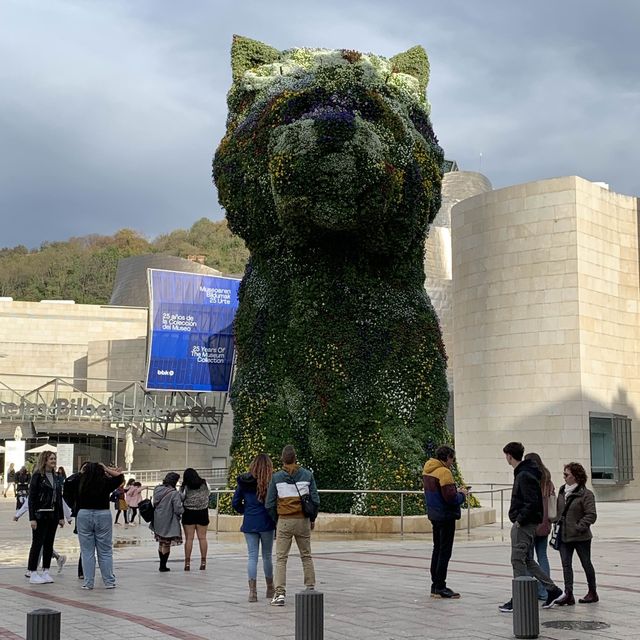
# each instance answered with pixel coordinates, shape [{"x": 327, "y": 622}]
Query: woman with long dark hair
[
  {"x": 544, "y": 528},
  {"x": 257, "y": 525},
  {"x": 577, "y": 511},
  {"x": 91, "y": 489},
  {"x": 195, "y": 519},
  {"x": 45, "y": 515},
  {"x": 168, "y": 508}
]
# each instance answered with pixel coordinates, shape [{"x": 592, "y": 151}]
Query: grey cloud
[{"x": 111, "y": 112}]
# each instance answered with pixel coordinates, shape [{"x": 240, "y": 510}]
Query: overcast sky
[{"x": 111, "y": 110}]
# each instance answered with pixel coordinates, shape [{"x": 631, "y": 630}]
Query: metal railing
[
  {"x": 493, "y": 489},
  {"x": 214, "y": 477}
]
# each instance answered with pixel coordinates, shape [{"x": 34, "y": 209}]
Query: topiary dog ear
[
  {"x": 413, "y": 62},
  {"x": 247, "y": 54}
]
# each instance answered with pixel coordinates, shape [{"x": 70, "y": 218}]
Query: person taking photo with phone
[{"x": 442, "y": 499}]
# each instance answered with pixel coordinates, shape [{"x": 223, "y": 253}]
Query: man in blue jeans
[
  {"x": 526, "y": 512},
  {"x": 443, "y": 500}
]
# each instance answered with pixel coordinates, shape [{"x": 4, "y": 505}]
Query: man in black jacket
[{"x": 526, "y": 512}]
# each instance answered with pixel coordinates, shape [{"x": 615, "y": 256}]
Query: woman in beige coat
[{"x": 580, "y": 514}]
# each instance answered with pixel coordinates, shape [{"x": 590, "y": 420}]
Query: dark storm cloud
[{"x": 110, "y": 111}]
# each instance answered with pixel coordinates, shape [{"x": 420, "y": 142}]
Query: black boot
[
  {"x": 591, "y": 597},
  {"x": 163, "y": 561}
]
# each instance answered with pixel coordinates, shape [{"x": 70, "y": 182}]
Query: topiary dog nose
[{"x": 334, "y": 127}]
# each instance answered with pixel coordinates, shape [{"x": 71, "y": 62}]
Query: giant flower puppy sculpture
[{"x": 331, "y": 173}]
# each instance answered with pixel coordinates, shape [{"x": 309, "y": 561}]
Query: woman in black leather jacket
[{"x": 45, "y": 515}]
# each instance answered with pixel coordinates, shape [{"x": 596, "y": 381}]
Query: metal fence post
[
  {"x": 402, "y": 514},
  {"x": 526, "y": 622},
  {"x": 502, "y": 508},
  {"x": 43, "y": 624},
  {"x": 309, "y": 615}
]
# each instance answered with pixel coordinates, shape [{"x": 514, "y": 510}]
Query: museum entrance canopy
[{"x": 61, "y": 406}]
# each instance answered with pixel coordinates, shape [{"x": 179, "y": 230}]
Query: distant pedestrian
[
  {"x": 11, "y": 480},
  {"x": 257, "y": 525},
  {"x": 92, "y": 488},
  {"x": 195, "y": 519},
  {"x": 121, "y": 504},
  {"x": 133, "y": 498},
  {"x": 443, "y": 500},
  {"x": 284, "y": 504},
  {"x": 23, "y": 478},
  {"x": 577, "y": 512},
  {"x": 166, "y": 518},
  {"x": 61, "y": 475},
  {"x": 526, "y": 513},
  {"x": 541, "y": 538},
  {"x": 45, "y": 515}
]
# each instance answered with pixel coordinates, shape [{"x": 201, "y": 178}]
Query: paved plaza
[{"x": 374, "y": 589}]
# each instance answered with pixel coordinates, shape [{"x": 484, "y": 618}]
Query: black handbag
[
  {"x": 556, "y": 535},
  {"x": 555, "y": 539},
  {"x": 309, "y": 507},
  {"x": 146, "y": 510}
]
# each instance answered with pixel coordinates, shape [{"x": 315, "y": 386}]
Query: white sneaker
[
  {"x": 60, "y": 560},
  {"x": 46, "y": 577},
  {"x": 27, "y": 574},
  {"x": 36, "y": 578},
  {"x": 278, "y": 601}
]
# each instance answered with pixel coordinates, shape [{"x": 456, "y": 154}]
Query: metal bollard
[
  {"x": 309, "y": 615},
  {"x": 43, "y": 624},
  {"x": 526, "y": 620}
]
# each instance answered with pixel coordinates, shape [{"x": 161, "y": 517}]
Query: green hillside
[{"x": 83, "y": 269}]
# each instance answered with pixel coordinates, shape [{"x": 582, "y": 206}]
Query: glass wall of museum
[{"x": 611, "y": 450}]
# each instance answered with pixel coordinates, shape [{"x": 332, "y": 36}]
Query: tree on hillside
[{"x": 83, "y": 269}]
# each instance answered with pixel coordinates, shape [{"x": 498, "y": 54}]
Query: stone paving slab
[{"x": 373, "y": 588}]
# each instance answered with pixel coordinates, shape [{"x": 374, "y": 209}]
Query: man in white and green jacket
[{"x": 284, "y": 504}]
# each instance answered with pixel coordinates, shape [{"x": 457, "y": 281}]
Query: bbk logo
[{"x": 164, "y": 372}]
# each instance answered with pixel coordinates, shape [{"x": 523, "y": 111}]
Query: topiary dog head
[{"x": 327, "y": 145}]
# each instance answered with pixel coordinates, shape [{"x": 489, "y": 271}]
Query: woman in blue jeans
[
  {"x": 95, "y": 483},
  {"x": 257, "y": 525},
  {"x": 543, "y": 530}
]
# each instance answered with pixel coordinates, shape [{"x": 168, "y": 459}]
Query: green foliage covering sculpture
[{"x": 331, "y": 173}]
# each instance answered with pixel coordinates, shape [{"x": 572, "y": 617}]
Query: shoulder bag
[
  {"x": 309, "y": 507},
  {"x": 147, "y": 508},
  {"x": 555, "y": 539}
]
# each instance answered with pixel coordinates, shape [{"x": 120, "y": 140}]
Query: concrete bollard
[
  {"x": 309, "y": 615},
  {"x": 43, "y": 624},
  {"x": 526, "y": 620}
]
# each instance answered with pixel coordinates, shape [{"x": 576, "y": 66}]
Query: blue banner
[{"x": 190, "y": 342}]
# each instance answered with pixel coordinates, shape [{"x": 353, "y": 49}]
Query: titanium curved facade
[
  {"x": 456, "y": 186},
  {"x": 130, "y": 287}
]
